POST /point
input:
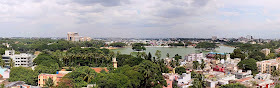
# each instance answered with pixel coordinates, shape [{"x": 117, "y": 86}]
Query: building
[
  {"x": 240, "y": 74},
  {"x": 249, "y": 37},
  {"x": 74, "y": 36},
  {"x": 265, "y": 51},
  {"x": 23, "y": 59},
  {"x": 194, "y": 57},
  {"x": 43, "y": 77},
  {"x": 267, "y": 66},
  {"x": 19, "y": 84},
  {"x": 99, "y": 69}
]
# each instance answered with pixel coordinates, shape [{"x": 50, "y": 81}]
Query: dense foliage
[
  {"x": 118, "y": 44},
  {"x": 206, "y": 45},
  {"x": 180, "y": 70},
  {"x": 23, "y": 74},
  {"x": 138, "y": 46},
  {"x": 248, "y": 64}
]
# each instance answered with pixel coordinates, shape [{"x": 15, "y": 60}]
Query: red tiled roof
[
  {"x": 99, "y": 69},
  {"x": 243, "y": 79}
]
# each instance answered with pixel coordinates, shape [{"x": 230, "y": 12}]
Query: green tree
[
  {"x": 206, "y": 45},
  {"x": 158, "y": 54},
  {"x": 118, "y": 44},
  {"x": 138, "y": 46},
  {"x": 49, "y": 83},
  {"x": 202, "y": 65},
  {"x": 237, "y": 54},
  {"x": 177, "y": 57},
  {"x": 180, "y": 70},
  {"x": 113, "y": 80},
  {"x": 167, "y": 55},
  {"x": 259, "y": 56},
  {"x": 23, "y": 74},
  {"x": 195, "y": 64},
  {"x": 12, "y": 63},
  {"x": 248, "y": 64}
]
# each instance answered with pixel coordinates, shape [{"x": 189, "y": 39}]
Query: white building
[
  {"x": 194, "y": 57},
  {"x": 23, "y": 59}
]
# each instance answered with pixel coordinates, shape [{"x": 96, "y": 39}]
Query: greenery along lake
[{"x": 174, "y": 50}]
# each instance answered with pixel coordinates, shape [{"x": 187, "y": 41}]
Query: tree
[
  {"x": 236, "y": 85},
  {"x": 202, "y": 65},
  {"x": 195, "y": 64},
  {"x": 65, "y": 83},
  {"x": 138, "y": 46},
  {"x": 167, "y": 55},
  {"x": 118, "y": 44},
  {"x": 49, "y": 83},
  {"x": 149, "y": 56},
  {"x": 23, "y": 74},
  {"x": 277, "y": 86},
  {"x": 180, "y": 70},
  {"x": 177, "y": 57},
  {"x": 237, "y": 54},
  {"x": 151, "y": 73},
  {"x": 206, "y": 45},
  {"x": 248, "y": 64},
  {"x": 198, "y": 82},
  {"x": 113, "y": 80},
  {"x": 12, "y": 63},
  {"x": 158, "y": 54},
  {"x": 259, "y": 56}
]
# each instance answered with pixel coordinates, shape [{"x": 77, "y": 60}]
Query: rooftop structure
[
  {"x": 265, "y": 51},
  {"x": 99, "y": 69}
]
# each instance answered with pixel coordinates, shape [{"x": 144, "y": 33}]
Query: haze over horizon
[{"x": 140, "y": 18}]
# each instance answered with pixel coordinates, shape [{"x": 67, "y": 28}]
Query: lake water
[{"x": 174, "y": 50}]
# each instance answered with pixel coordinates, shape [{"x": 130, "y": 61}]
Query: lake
[{"x": 174, "y": 50}]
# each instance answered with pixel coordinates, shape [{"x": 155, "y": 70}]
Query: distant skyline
[{"x": 140, "y": 18}]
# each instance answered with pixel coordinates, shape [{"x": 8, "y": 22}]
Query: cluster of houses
[
  {"x": 25, "y": 60},
  {"x": 223, "y": 71}
]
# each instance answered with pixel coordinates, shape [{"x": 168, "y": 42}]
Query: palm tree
[
  {"x": 12, "y": 63},
  {"x": 89, "y": 75}
]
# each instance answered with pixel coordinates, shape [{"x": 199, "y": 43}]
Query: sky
[{"x": 140, "y": 18}]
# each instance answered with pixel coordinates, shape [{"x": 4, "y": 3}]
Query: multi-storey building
[
  {"x": 194, "y": 57},
  {"x": 23, "y": 59},
  {"x": 43, "y": 77},
  {"x": 267, "y": 66}
]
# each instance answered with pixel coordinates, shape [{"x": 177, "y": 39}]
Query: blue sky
[{"x": 140, "y": 18}]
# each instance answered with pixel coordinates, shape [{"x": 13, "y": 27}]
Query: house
[
  {"x": 263, "y": 80},
  {"x": 43, "y": 77},
  {"x": 240, "y": 74}
]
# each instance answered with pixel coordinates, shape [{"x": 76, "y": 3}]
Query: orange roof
[
  {"x": 99, "y": 69},
  {"x": 63, "y": 69}
]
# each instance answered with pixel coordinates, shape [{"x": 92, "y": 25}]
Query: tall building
[
  {"x": 23, "y": 59},
  {"x": 115, "y": 63},
  {"x": 74, "y": 36}
]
